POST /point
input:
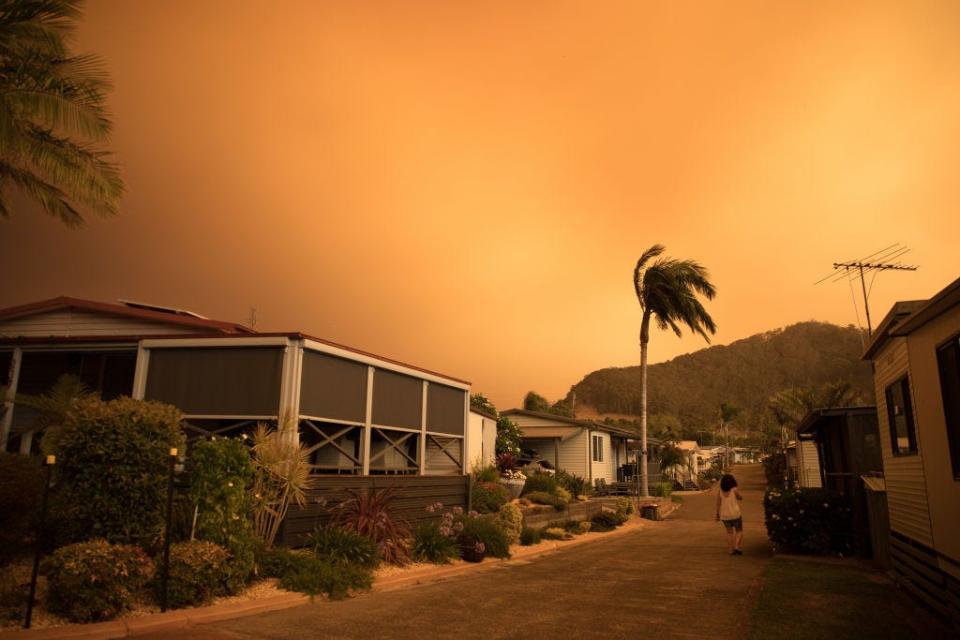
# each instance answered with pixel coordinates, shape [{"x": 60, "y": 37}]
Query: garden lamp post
[
  {"x": 40, "y": 538},
  {"x": 165, "y": 576}
]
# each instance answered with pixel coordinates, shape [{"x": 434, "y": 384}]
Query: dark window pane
[
  {"x": 948, "y": 361},
  {"x": 238, "y": 381},
  {"x": 333, "y": 388},
  {"x": 903, "y": 437},
  {"x": 6, "y": 359},
  {"x": 397, "y": 400},
  {"x": 445, "y": 409}
]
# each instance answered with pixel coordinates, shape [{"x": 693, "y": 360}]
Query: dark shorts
[{"x": 733, "y": 524}]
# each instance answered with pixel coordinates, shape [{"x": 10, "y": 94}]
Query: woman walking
[{"x": 728, "y": 512}]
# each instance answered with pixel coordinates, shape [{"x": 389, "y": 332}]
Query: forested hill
[{"x": 745, "y": 373}]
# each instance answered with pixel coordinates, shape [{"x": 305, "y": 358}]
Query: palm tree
[
  {"x": 727, "y": 414},
  {"x": 53, "y": 116},
  {"x": 667, "y": 290}
]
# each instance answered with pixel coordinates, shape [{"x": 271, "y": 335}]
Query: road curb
[{"x": 185, "y": 618}]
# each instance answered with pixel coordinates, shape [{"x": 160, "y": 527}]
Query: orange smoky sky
[{"x": 467, "y": 185}]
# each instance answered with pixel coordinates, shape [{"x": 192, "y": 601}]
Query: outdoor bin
[{"x": 650, "y": 512}]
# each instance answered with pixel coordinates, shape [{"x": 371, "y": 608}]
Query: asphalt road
[{"x": 673, "y": 579}]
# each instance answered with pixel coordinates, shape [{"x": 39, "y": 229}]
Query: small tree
[
  {"x": 533, "y": 401},
  {"x": 282, "y": 477},
  {"x": 480, "y": 402},
  {"x": 508, "y": 436}
]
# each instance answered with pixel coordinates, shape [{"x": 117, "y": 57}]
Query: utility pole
[{"x": 887, "y": 259}]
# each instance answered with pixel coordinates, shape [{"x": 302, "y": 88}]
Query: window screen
[
  {"x": 332, "y": 387},
  {"x": 903, "y": 436},
  {"x": 397, "y": 400},
  {"x": 445, "y": 409},
  {"x": 948, "y": 362},
  {"x": 238, "y": 381}
]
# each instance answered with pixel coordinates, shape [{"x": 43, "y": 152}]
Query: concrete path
[{"x": 674, "y": 579}]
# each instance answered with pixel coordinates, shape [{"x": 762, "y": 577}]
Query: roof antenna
[
  {"x": 252, "y": 318},
  {"x": 887, "y": 259}
]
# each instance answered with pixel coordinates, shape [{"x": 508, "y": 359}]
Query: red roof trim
[{"x": 64, "y": 302}]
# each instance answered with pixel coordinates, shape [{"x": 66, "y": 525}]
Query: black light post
[
  {"x": 165, "y": 575},
  {"x": 40, "y": 538}
]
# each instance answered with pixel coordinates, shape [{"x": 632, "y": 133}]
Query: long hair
[{"x": 727, "y": 482}]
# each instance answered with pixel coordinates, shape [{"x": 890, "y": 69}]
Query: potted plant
[
  {"x": 510, "y": 477},
  {"x": 472, "y": 550}
]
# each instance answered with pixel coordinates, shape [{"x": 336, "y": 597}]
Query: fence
[{"x": 415, "y": 493}]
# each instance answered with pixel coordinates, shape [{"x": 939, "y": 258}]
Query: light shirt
[{"x": 729, "y": 506}]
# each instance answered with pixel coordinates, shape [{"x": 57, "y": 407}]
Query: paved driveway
[{"x": 673, "y": 579}]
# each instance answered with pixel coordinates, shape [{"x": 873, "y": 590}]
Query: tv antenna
[
  {"x": 887, "y": 259},
  {"x": 252, "y": 318}
]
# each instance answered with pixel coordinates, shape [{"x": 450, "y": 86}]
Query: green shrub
[
  {"x": 486, "y": 473},
  {"x": 625, "y": 506},
  {"x": 314, "y": 576},
  {"x": 576, "y": 485},
  {"x": 539, "y": 482},
  {"x": 488, "y": 497},
  {"x": 430, "y": 544},
  {"x": 112, "y": 466},
  {"x": 21, "y": 487},
  {"x": 662, "y": 489},
  {"x": 345, "y": 546},
  {"x": 554, "y": 533},
  {"x": 563, "y": 494},
  {"x": 486, "y": 530},
  {"x": 199, "y": 571},
  {"x": 95, "y": 580},
  {"x": 511, "y": 520},
  {"x": 221, "y": 472},
  {"x": 278, "y": 561},
  {"x": 529, "y": 536},
  {"x": 604, "y": 521},
  {"x": 808, "y": 520},
  {"x": 774, "y": 468},
  {"x": 585, "y": 527},
  {"x": 14, "y": 590},
  {"x": 541, "y": 497}
]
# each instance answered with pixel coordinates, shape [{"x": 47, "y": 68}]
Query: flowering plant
[{"x": 808, "y": 520}]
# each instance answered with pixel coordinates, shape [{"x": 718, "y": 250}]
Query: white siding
[
  {"x": 573, "y": 454},
  {"x": 489, "y": 439},
  {"x": 906, "y": 486},
  {"x": 69, "y": 323},
  {"x": 604, "y": 470},
  {"x": 808, "y": 463},
  {"x": 481, "y": 440}
]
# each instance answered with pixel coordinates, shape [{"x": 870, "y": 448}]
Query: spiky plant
[
  {"x": 371, "y": 514},
  {"x": 52, "y": 407},
  {"x": 53, "y": 115},
  {"x": 667, "y": 290},
  {"x": 283, "y": 477}
]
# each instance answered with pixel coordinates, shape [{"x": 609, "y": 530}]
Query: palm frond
[{"x": 52, "y": 199}]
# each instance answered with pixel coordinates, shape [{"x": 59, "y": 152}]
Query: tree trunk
[{"x": 644, "y": 339}]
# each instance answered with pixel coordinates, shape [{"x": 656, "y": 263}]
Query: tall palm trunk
[{"x": 644, "y": 339}]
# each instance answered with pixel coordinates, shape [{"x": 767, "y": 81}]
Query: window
[
  {"x": 948, "y": 362},
  {"x": 903, "y": 434},
  {"x": 597, "y": 448}
]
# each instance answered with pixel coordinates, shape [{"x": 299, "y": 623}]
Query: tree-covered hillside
[{"x": 745, "y": 374}]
